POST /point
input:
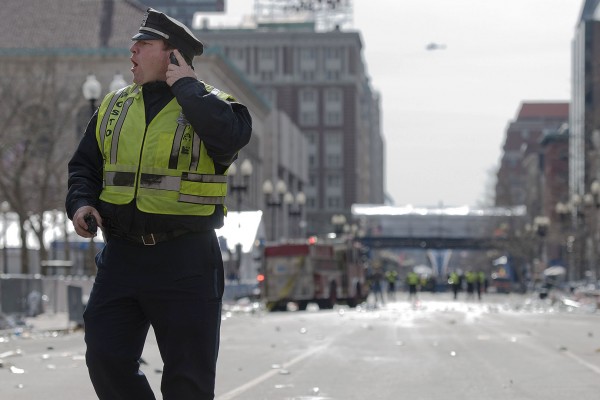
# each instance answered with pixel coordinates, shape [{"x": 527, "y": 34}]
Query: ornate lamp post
[
  {"x": 338, "y": 221},
  {"x": 239, "y": 188},
  {"x": 295, "y": 207},
  {"x": 540, "y": 226},
  {"x": 117, "y": 83},
  {"x": 274, "y": 200},
  {"x": 562, "y": 211},
  {"x": 575, "y": 240},
  {"x": 92, "y": 90}
]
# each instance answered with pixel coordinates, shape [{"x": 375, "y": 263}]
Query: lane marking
[
  {"x": 254, "y": 382},
  {"x": 581, "y": 361}
]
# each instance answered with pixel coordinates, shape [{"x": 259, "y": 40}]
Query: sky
[{"x": 445, "y": 111}]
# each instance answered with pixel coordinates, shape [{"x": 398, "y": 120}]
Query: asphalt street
[{"x": 503, "y": 347}]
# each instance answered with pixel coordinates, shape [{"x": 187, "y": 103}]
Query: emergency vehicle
[{"x": 310, "y": 273}]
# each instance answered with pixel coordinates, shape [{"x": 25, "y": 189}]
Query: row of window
[
  {"x": 331, "y": 203},
  {"x": 333, "y": 181},
  {"x": 328, "y": 63},
  {"x": 333, "y": 105},
  {"x": 309, "y": 105}
]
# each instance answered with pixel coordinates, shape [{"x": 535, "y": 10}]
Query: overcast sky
[{"x": 445, "y": 111}]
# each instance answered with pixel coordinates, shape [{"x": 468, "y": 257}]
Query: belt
[{"x": 149, "y": 239}]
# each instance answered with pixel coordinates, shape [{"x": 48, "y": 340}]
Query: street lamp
[
  {"x": 540, "y": 228},
  {"x": 562, "y": 211},
  {"x": 575, "y": 242},
  {"x": 295, "y": 205},
  {"x": 338, "y": 221},
  {"x": 4, "y": 209},
  {"x": 117, "y": 83},
  {"x": 239, "y": 188},
  {"x": 91, "y": 89},
  {"x": 274, "y": 199}
]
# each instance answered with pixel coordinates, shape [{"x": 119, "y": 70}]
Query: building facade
[
  {"x": 523, "y": 139},
  {"x": 319, "y": 80},
  {"x": 584, "y": 142}
]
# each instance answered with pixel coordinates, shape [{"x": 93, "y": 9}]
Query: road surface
[{"x": 503, "y": 347}]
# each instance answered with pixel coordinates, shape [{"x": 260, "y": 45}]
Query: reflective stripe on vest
[{"x": 175, "y": 175}]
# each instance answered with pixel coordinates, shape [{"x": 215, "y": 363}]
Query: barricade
[{"x": 30, "y": 295}]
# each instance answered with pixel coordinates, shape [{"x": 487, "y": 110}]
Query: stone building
[{"x": 523, "y": 138}]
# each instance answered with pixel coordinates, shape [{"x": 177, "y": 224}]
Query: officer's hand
[
  {"x": 79, "y": 223},
  {"x": 176, "y": 72}
]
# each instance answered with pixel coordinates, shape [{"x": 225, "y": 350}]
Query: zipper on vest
[{"x": 139, "y": 168}]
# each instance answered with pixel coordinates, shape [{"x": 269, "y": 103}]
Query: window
[
  {"x": 333, "y": 106},
  {"x": 333, "y": 141},
  {"x": 333, "y": 149},
  {"x": 308, "y": 104},
  {"x": 312, "y": 137},
  {"x": 308, "y": 64},
  {"x": 333, "y": 63},
  {"x": 312, "y": 149},
  {"x": 238, "y": 58},
  {"x": 267, "y": 63},
  {"x": 333, "y": 118},
  {"x": 334, "y": 180},
  {"x": 333, "y": 161},
  {"x": 334, "y": 202}
]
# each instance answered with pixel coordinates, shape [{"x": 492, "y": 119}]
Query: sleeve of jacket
[
  {"x": 225, "y": 126},
  {"x": 85, "y": 172}
]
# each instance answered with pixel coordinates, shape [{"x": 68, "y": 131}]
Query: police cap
[{"x": 156, "y": 25}]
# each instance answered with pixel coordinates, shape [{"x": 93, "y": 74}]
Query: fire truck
[{"x": 304, "y": 273}]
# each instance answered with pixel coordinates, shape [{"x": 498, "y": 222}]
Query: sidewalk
[
  {"x": 50, "y": 322},
  {"x": 42, "y": 323}
]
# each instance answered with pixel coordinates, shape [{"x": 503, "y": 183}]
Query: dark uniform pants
[{"x": 176, "y": 286}]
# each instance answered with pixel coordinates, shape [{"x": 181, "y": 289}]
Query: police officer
[
  {"x": 471, "y": 277},
  {"x": 391, "y": 276},
  {"x": 151, "y": 170},
  {"x": 454, "y": 282},
  {"x": 412, "y": 279}
]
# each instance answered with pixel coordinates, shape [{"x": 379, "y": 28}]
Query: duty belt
[{"x": 149, "y": 239}]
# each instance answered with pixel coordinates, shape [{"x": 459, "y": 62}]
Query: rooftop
[{"x": 544, "y": 110}]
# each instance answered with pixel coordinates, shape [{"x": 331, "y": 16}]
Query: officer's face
[{"x": 150, "y": 61}]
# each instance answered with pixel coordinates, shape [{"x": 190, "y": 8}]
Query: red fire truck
[{"x": 311, "y": 273}]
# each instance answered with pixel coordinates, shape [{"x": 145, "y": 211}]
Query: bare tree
[{"x": 36, "y": 136}]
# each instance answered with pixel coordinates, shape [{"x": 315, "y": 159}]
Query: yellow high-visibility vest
[
  {"x": 164, "y": 165},
  {"x": 412, "y": 278}
]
